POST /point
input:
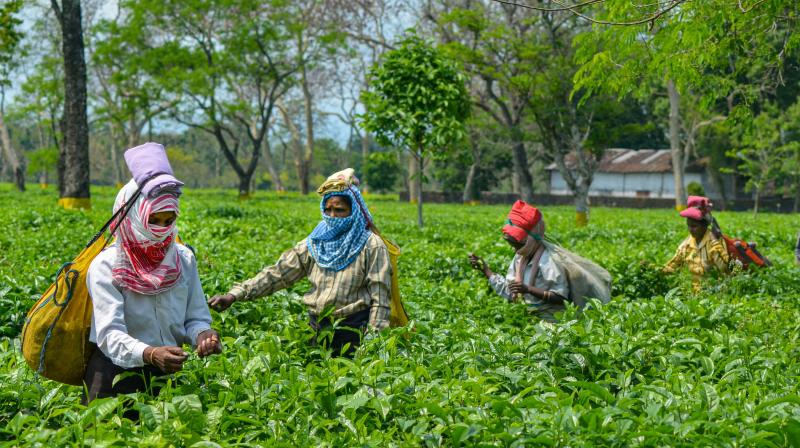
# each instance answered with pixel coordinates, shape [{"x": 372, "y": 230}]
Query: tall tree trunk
[
  {"x": 244, "y": 185},
  {"x": 309, "y": 149},
  {"x": 755, "y": 204},
  {"x": 675, "y": 144},
  {"x": 277, "y": 184},
  {"x": 420, "y": 170},
  {"x": 74, "y": 156},
  {"x": 582, "y": 205},
  {"x": 116, "y": 171},
  {"x": 470, "y": 190},
  {"x": 524, "y": 180},
  {"x": 297, "y": 147},
  {"x": 413, "y": 173},
  {"x": 470, "y": 193},
  {"x": 364, "y": 157},
  {"x": 11, "y": 155},
  {"x": 796, "y": 201}
]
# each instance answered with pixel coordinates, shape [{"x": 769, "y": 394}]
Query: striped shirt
[{"x": 364, "y": 283}]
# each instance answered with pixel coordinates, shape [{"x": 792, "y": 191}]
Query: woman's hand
[
  {"x": 169, "y": 359},
  {"x": 518, "y": 288},
  {"x": 221, "y": 302},
  {"x": 478, "y": 263},
  {"x": 208, "y": 343}
]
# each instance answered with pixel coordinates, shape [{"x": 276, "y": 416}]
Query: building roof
[{"x": 618, "y": 160}]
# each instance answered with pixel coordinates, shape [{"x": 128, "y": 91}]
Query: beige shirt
[
  {"x": 550, "y": 277},
  {"x": 364, "y": 283}
]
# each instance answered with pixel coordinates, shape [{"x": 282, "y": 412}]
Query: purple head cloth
[{"x": 148, "y": 160}]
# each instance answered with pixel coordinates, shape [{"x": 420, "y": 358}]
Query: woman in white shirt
[
  {"x": 145, "y": 288},
  {"x": 533, "y": 275}
]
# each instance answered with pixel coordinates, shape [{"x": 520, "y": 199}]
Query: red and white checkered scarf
[{"x": 147, "y": 259}]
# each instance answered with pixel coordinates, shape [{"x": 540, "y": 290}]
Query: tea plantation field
[{"x": 658, "y": 366}]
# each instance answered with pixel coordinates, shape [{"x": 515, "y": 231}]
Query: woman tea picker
[
  {"x": 146, "y": 293},
  {"x": 346, "y": 263},
  {"x": 543, "y": 275},
  {"x": 703, "y": 251}
]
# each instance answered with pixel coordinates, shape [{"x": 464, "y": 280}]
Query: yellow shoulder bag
[{"x": 55, "y": 336}]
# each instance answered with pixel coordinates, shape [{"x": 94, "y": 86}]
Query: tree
[
  {"x": 314, "y": 37},
  {"x": 42, "y": 163},
  {"x": 760, "y": 152},
  {"x": 382, "y": 168},
  {"x": 417, "y": 100},
  {"x": 497, "y": 44},
  {"x": 706, "y": 51},
  {"x": 10, "y": 37},
  {"x": 789, "y": 141},
  {"x": 41, "y": 97},
  {"x": 368, "y": 30},
  {"x": 73, "y": 163},
  {"x": 128, "y": 97},
  {"x": 479, "y": 163},
  {"x": 227, "y": 63}
]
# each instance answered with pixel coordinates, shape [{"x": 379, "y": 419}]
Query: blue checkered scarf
[{"x": 336, "y": 242}]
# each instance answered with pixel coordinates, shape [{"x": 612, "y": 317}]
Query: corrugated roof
[{"x": 618, "y": 160}]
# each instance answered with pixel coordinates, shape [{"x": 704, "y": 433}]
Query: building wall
[{"x": 653, "y": 185}]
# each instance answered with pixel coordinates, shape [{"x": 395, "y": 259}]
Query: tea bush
[{"x": 658, "y": 366}]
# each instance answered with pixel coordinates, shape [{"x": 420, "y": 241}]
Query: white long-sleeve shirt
[
  {"x": 124, "y": 322},
  {"x": 550, "y": 277}
]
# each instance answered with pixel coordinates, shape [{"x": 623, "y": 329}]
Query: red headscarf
[
  {"x": 525, "y": 224},
  {"x": 522, "y": 221}
]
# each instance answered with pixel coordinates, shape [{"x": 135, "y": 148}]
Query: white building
[{"x": 644, "y": 173}]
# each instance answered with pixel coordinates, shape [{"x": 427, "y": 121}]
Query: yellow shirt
[{"x": 700, "y": 258}]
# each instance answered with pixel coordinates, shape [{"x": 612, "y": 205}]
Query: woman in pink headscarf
[
  {"x": 533, "y": 275},
  {"x": 145, "y": 289},
  {"x": 703, "y": 251}
]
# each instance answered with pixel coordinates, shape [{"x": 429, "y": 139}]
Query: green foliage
[
  {"x": 695, "y": 189},
  {"x": 10, "y": 36},
  {"x": 417, "y": 99},
  {"x": 42, "y": 160},
  {"x": 759, "y": 153},
  {"x": 713, "y": 48},
  {"x": 382, "y": 170},
  {"x": 658, "y": 366}
]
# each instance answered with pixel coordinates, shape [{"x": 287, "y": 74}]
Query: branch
[
  {"x": 369, "y": 40},
  {"x": 562, "y": 8},
  {"x": 752, "y": 7},
  {"x": 57, "y": 11},
  {"x": 574, "y": 10},
  {"x": 708, "y": 122},
  {"x": 489, "y": 111}
]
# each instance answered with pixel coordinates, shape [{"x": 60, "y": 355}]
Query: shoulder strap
[{"x": 122, "y": 210}]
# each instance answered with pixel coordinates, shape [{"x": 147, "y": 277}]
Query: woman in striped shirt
[{"x": 346, "y": 263}]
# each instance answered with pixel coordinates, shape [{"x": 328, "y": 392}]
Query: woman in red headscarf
[
  {"x": 703, "y": 250},
  {"x": 534, "y": 275}
]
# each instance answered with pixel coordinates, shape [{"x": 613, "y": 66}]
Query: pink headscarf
[
  {"x": 147, "y": 259},
  {"x": 698, "y": 208}
]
